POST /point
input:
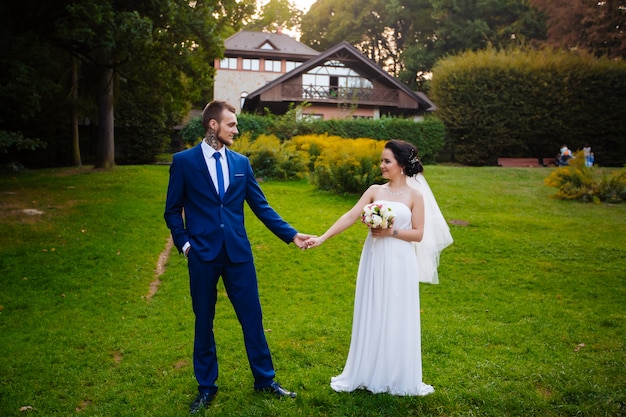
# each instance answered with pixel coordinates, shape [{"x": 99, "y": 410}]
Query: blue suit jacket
[{"x": 195, "y": 214}]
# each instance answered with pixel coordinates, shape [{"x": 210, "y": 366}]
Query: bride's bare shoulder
[
  {"x": 374, "y": 188},
  {"x": 415, "y": 193}
]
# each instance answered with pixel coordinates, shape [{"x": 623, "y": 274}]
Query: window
[
  {"x": 272, "y": 66},
  {"x": 250, "y": 64},
  {"x": 335, "y": 81},
  {"x": 292, "y": 65},
  {"x": 312, "y": 116},
  {"x": 228, "y": 63}
]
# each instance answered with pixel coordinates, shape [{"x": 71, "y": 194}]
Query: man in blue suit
[{"x": 205, "y": 212}]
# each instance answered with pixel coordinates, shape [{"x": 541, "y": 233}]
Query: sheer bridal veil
[{"x": 436, "y": 237}]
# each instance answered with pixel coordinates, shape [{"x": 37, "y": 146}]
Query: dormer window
[{"x": 267, "y": 45}]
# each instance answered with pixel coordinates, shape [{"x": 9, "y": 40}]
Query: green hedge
[
  {"x": 428, "y": 135},
  {"x": 518, "y": 103}
]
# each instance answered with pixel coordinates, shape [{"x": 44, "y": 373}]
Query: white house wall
[{"x": 230, "y": 84}]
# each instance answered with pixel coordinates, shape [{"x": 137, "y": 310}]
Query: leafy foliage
[
  {"x": 527, "y": 103},
  {"x": 160, "y": 52},
  {"x": 407, "y": 37},
  {"x": 595, "y": 26},
  {"x": 276, "y": 15},
  {"x": 272, "y": 159},
  {"x": 589, "y": 184},
  {"x": 193, "y": 132},
  {"x": 348, "y": 165},
  {"x": 330, "y": 162},
  {"x": 428, "y": 135},
  {"x": 15, "y": 140}
]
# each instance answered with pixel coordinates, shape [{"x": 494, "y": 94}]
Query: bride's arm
[{"x": 346, "y": 220}]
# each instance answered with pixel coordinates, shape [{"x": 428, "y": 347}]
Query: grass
[{"x": 529, "y": 318}]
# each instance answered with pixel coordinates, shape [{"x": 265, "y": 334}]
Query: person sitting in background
[{"x": 564, "y": 156}]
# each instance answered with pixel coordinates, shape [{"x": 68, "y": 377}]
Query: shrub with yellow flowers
[{"x": 590, "y": 184}]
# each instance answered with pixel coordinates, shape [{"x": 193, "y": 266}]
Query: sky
[{"x": 303, "y": 5}]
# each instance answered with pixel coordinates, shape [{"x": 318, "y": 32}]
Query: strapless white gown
[{"x": 385, "y": 350}]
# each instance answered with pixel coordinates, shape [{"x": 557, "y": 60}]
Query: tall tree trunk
[
  {"x": 105, "y": 149},
  {"x": 74, "y": 97}
]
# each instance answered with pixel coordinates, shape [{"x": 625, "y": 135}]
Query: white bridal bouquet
[{"x": 378, "y": 215}]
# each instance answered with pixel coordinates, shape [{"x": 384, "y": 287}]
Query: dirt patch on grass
[
  {"x": 160, "y": 268},
  {"x": 29, "y": 206}
]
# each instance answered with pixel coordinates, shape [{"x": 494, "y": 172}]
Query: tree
[
  {"x": 154, "y": 57},
  {"x": 407, "y": 37},
  {"x": 104, "y": 37},
  {"x": 365, "y": 24},
  {"x": 275, "y": 16},
  {"x": 30, "y": 80},
  {"x": 595, "y": 26}
]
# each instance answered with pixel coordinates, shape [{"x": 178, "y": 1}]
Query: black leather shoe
[
  {"x": 202, "y": 401},
  {"x": 278, "y": 391}
]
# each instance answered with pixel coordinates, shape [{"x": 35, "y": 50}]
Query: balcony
[{"x": 334, "y": 94}]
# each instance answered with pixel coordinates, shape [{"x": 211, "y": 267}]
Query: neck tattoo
[
  {"x": 211, "y": 140},
  {"x": 386, "y": 187}
]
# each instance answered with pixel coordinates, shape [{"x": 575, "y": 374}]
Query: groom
[{"x": 210, "y": 183}]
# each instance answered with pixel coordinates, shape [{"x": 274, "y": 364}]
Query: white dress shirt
[{"x": 208, "y": 152}]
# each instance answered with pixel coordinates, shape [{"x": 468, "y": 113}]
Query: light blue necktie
[{"x": 220, "y": 174}]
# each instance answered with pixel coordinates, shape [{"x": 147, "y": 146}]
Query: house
[
  {"x": 274, "y": 71},
  {"x": 339, "y": 83},
  {"x": 253, "y": 59}
]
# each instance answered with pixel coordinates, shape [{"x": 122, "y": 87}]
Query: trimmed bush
[
  {"x": 427, "y": 135},
  {"x": 344, "y": 164},
  {"x": 518, "y": 103}
]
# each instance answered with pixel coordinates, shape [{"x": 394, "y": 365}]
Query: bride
[{"x": 385, "y": 349}]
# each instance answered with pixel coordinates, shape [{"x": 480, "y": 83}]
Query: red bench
[
  {"x": 548, "y": 162},
  {"x": 519, "y": 162}
]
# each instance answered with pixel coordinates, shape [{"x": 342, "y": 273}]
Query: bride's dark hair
[{"x": 406, "y": 155}]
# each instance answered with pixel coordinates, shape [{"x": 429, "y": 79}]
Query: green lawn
[{"x": 528, "y": 320}]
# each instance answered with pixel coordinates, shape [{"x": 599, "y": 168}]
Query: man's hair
[{"x": 214, "y": 111}]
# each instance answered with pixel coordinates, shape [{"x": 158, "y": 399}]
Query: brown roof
[{"x": 246, "y": 43}]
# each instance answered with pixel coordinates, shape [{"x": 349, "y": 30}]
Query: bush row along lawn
[{"x": 528, "y": 319}]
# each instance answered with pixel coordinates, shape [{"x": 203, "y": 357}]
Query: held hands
[
  {"x": 314, "y": 242},
  {"x": 301, "y": 240}
]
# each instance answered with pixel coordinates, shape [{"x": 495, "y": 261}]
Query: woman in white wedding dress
[{"x": 385, "y": 349}]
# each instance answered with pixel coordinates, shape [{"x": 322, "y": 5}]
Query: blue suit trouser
[{"x": 241, "y": 286}]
